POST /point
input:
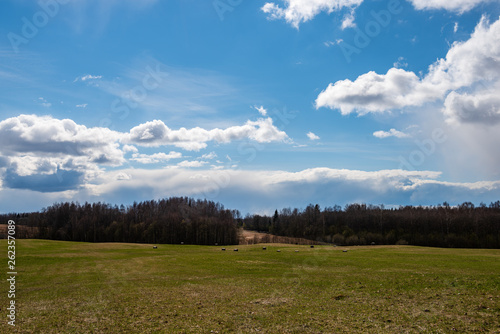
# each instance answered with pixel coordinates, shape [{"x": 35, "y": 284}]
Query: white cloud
[
  {"x": 261, "y": 110},
  {"x": 192, "y": 164},
  {"x": 481, "y": 107},
  {"x": 155, "y": 158},
  {"x": 333, "y": 43},
  {"x": 466, "y": 63},
  {"x": 312, "y": 136},
  {"x": 390, "y": 133},
  {"x": 123, "y": 176},
  {"x": 84, "y": 105},
  {"x": 87, "y": 77},
  {"x": 348, "y": 21},
  {"x": 297, "y": 11},
  {"x": 156, "y": 133},
  {"x": 455, "y": 27},
  {"x": 48, "y": 154},
  {"x": 45, "y": 136},
  {"x": 459, "y": 6},
  {"x": 209, "y": 156},
  {"x": 401, "y": 63},
  {"x": 44, "y": 102},
  {"x": 130, "y": 148},
  {"x": 372, "y": 92}
]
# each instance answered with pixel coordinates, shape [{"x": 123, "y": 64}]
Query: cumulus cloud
[
  {"x": 156, "y": 133},
  {"x": 390, "y": 133},
  {"x": 466, "y": 64},
  {"x": 296, "y": 12},
  {"x": 45, "y": 136},
  {"x": 41, "y": 150},
  {"x": 459, "y": 6},
  {"x": 482, "y": 107},
  {"x": 312, "y": 136},
  {"x": 372, "y": 92}
]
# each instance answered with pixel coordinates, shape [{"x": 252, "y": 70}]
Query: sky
[{"x": 257, "y": 105}]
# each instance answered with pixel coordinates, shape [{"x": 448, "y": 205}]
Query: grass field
[{"x": 65, "y": 287}]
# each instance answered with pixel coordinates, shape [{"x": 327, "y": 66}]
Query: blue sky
[{"x": 259, "y": 105}]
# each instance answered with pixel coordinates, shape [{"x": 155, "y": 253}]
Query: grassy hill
[{"x": 67, "y": 287}]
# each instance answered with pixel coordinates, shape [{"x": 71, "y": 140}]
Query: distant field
[
  {"x": 21, "y": 231},
  {"x": 65, "y": 287}
]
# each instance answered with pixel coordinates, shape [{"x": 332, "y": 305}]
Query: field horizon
[{"x": 65, "y": 287}]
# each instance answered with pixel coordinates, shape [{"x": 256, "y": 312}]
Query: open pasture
[{"x": 68, "y": 287}]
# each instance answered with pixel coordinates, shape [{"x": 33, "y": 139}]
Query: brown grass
[{"x": 252, "y": 238}]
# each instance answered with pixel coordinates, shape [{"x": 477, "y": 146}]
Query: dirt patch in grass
[{"x": 251, "y": 238}]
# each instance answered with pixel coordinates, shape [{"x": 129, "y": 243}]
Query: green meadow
[{"x": 68, "y": 287}]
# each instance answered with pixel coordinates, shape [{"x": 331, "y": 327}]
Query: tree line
[
  {"x": 186, "y": 220},
  {"x": 462, "y": 226},
  {"x": 173, "y": 220}
]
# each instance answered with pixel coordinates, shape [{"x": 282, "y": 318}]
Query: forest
[
  {"x": 186, "y": 220},
  {"x": 173, "y": 220},
  {"x": 462, "y": 226}
]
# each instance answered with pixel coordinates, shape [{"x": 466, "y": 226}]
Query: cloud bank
[{"x": 265, "y": 191}]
